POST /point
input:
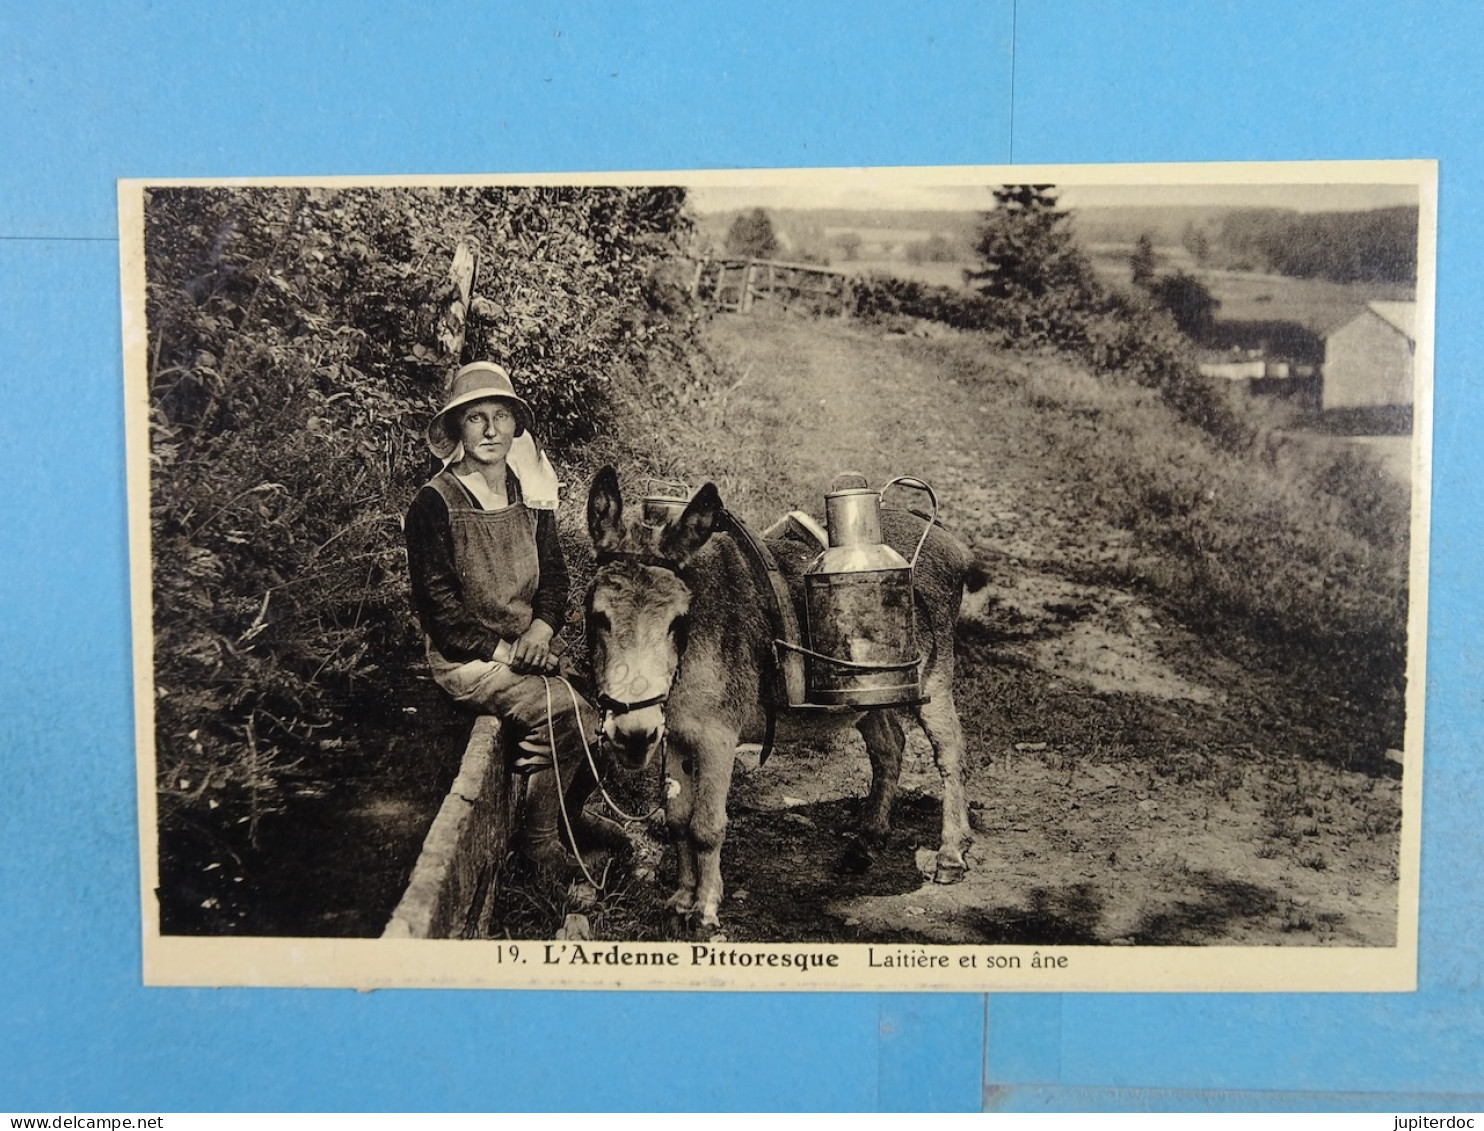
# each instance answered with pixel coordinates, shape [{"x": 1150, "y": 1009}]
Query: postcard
[{"x": 969, "y": 578}]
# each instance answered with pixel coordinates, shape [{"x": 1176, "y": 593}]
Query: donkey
[{"x": 682, "y": 651}]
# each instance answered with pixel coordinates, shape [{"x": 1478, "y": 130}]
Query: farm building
[{"x": 1368, "y": 360}]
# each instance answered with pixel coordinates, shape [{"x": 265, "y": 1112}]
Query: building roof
[{"x": 1400, "y": 316}]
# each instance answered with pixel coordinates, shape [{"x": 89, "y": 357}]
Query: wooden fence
[{"x": 739, "y": 284}]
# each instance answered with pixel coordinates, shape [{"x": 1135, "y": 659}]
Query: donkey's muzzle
[{"x": 633, "y": 739}]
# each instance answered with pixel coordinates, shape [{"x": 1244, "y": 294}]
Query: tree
[
  {"x": 1040, "y": 285},
  {"x": 935, "y": 249},
  {"x": 1027, "y": 250},
  {"x": 1185, "y": 297},
  {"x": 850, "y": 244},
  {"x": 808, "y": 244},
  {"x": 1196, "y": 242},
  {"x": 751, "y": 234},
  {"x": 1142, "y": 262}
]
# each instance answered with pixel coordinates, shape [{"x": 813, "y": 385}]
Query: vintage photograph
[{"x": 976, "y": 578}]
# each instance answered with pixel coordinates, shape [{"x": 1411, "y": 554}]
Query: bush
[
  {"x": 1189, "y": 302},
  {"x": 886, "y": 296},
  {"x": 751, "y": 235},
  {"x": 294, "y": 360}
]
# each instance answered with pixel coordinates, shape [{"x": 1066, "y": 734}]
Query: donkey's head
[{"x": 638, "y": 612}]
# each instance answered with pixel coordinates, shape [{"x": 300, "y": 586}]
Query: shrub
[
  {"x": 885, "y": 296},
  {"x": 294, "y": 359}
]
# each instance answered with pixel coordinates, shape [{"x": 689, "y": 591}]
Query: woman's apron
[{"x": 494, "y": 555}]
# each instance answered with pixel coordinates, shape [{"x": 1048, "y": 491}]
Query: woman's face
[{"x": 487, "y": 428}]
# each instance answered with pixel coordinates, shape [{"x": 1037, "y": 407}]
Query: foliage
[
  {"x": 1029, "y": 254},
  {"x": 886, "y": 296},
  {"x": 937, "y": 248},
  {"x": 294, "y": 361},
  {"x": 752, "y": 235},
  {"x": 1142, "y": 261},
  {"x": 807, "y": 243},
  {"x": 1191, "y": 305},
  {"x": 849, "y": 244},
  {"x": 1195, "y": 240},
  {"x": 1379, "y": 245}
]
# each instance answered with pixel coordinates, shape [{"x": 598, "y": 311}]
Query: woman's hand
[{"x": 531, "y": 652}]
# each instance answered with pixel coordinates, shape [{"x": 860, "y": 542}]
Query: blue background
[{"x": 92, "y": 92}]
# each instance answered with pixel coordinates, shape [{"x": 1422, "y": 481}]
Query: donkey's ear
[
  {"x": 688, "y": 533},
  {"x": 605, "y": 511}
]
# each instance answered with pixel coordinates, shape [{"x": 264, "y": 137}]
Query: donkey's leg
[
  {"x": 708, "y": 822},
  {"x": 680, "y": 800},
  {"x": 885, "y": 742},
  {"x": 939, "y": 719}
]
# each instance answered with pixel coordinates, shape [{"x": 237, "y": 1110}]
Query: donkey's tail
[{"x": 976, "y": 592}]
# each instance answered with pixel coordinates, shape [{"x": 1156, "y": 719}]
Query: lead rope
[
  {"x": 627, "y": 818},
  {"x": 560, "y": 791}
]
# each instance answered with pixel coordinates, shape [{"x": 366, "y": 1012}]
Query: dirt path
[{"x": 1129, "y": 783}]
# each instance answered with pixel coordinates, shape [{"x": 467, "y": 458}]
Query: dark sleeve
[
  {"x": 437, "y": 594},
  {"x": 550, "y": 602}
]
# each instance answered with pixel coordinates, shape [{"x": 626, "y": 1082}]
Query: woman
[{"x": 490, "y": 588}]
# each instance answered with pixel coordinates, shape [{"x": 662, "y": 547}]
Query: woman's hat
[{"x": 477, "y": 381}]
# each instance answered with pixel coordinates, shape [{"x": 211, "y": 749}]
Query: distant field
[
  {"x": 1313, "y": 303},
  {"x": 1245, "y": 296}
]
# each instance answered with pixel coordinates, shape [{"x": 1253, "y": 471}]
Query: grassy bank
[{"x": 1282, "y": 537}]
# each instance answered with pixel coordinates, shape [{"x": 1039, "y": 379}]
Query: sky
[{"x": 864, "y": 189}]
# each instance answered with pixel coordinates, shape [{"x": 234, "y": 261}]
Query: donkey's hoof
[{"x": 951, "y": 868}]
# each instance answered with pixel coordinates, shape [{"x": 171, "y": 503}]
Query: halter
[
  {"x": 780, "y": 615},
  {"x": 556, "y": 769},
  {"x": 609, "y": 557},
  {"x": 621, "y": 707}
]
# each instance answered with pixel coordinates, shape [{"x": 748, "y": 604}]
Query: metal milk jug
[
  {"x": 664, "y": 500},
  {"x": 859, "y": 618}
]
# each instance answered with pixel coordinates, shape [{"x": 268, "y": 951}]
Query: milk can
[
  {"x": 859, "y": 618},
  {"x": 664, "y": 500}
]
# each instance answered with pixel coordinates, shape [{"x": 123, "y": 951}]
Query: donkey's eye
[
  {"x": 598, "y": 621},
  {"x": 680, "y": 630}
]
